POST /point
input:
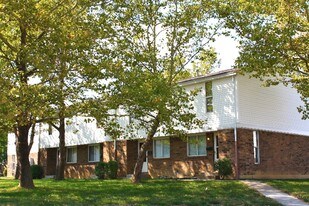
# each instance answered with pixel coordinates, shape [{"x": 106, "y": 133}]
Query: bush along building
[{"x": 258, "y": 128}]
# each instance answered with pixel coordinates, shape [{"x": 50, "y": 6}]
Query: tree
[
  {"x": 28, "y": 32},
  {"x": 274, "y": 39},
  {"x": 154, "y": 42},
  {"x": 73, "y": 74},
  {"x": 3, "y": 147}
]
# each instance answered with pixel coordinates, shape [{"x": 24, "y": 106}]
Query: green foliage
[
  {"x": 46, "y": 53},
  {"x": 154, "y": 45},
  {"x": 37, "y": 171},
  {"x": 274, "y": 39},
  {"x": 122, "y": 192},
  {"x": 224, "y": 167},
  {"x": 3, "y": 147},
  {"x": 112, "y": 169},
  {"x": 101, "y": 170},
  {"x": 105, "y": 170}
]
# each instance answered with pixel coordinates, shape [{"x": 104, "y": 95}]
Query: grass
[
  {"x": 297, "y": 188},
  {"x": 122, "y": 192}
]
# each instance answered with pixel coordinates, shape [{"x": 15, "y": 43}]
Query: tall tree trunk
[
  {"x": 137, "y": 174},
  {"x": 61, "y": 158},
  {"x": 22, "y": 146},
  {"x": 17, "y": 169}
]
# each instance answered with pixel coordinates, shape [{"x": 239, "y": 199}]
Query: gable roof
[{"x": 210, "y": 76}]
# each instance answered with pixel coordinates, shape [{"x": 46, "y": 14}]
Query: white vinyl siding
[
  {"x": 162, "y": 148},
  {"x": 271, "y": 108},
  {"x": 94, "y": 153},
  {"x": 197, "y": 146},
  {"x": 71, "y": 155},
  {"x": 256, "y": 147}
]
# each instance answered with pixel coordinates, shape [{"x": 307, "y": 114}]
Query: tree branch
[{"x": 7, "y": 43}]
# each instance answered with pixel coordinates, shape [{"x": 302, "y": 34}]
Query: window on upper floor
[
  {"x": 208, "y": 93},
  {"x": 71, "y": 154},
  {"x": 161, "y": 148},
  {"x": 256, "y": 147},
  {"x": 94, "y": 153},
  {"x": 197, "y": 146},
  {"x": 50, "y": 129}
]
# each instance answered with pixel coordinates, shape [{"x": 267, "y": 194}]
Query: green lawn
[
  {"x": 297, "y": 188},
  {"x": 122, "y": 192}
]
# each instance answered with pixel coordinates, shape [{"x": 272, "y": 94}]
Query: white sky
[{"x": 227, "y": 51}]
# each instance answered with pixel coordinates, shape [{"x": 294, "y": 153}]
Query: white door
[{"x": 145, "y": 163}]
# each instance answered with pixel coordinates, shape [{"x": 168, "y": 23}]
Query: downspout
[
  {"x": 115, "y": 149},
  {"x": 235, "y": 129},
  {"x": 39, "y": 143}
]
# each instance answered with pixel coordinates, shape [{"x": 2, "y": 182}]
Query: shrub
[
  {"x": 37, "y": 171},
  {"x": 224, "y": 167},
  {"x": 112, "y": 169},
  {"x": 101, "y": 170}
]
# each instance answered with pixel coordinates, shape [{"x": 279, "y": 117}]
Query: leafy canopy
[
  {"x": 153, "y": 44},
  {"x": 274, "y": 41}
]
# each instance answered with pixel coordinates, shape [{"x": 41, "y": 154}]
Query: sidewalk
[{"x": 277, "y": 195}]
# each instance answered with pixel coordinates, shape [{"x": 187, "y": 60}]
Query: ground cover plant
[
  {"x": 297, "y": 188},
  {"x": 122, "y": 192}
]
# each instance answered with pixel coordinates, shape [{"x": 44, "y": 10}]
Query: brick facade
[
  {"x": 126, "y": 155},
  {"x": 281, "y": 156},
  {"x": 180, "y": 165},
  {"x": 12, "y": 163},
  {"x": 81, "y": 169}
]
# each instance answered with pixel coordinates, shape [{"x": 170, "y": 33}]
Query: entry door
[
  {"x": 216, "y": 147},
  {"x": 145, "y": 163}
]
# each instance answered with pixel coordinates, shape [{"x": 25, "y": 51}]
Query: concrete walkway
[{"x": 274, "y": 194}]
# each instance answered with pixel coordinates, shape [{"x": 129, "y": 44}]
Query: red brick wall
[
  {"x": 227, "y": 146},
  {"x": 179, "y": 164},
  {"x": 121, "y": 155},
  {"x": 281, "y": 155},
  {"x": 82, "y": 168}
]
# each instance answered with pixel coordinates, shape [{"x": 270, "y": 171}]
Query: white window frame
[
  {"x": 216, "y": 147},
  {"x": 99, "y": 154},
  {"x": 67, "y": 153},
  {"x": 209, "y": 96},
  {"x": 162, "y": 148},
  {"x": 188, "y": 146},
  {"x": 256, "y": 147}
]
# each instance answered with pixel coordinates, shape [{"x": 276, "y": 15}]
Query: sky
[{"x": 227, "y": 52}]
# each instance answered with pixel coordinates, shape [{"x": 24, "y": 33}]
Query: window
[
  {"x": 13, "y": 162},
  {"x": 71, "y": 155},
  {"x": 216, "y": 147},
  {"x": 197, "y": 146},
  {"x": 94, "y": 153},
  {"x": 50, "y": 129},
  {"x": 256, "y": 147},
  {"x": 161, "y": 148},
  {"x": 208, "y": 90}
]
